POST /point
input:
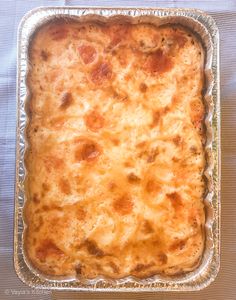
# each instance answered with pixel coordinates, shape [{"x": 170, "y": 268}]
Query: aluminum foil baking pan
[{"x": 205, "y": 28}]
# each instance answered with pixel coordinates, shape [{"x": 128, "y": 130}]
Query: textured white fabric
[{"x": 11, "y": 12}]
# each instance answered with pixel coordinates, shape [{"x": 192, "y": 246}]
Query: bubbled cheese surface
[{"x": 116, "y": 150}]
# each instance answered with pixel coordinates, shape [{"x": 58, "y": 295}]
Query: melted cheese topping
[{"x": 115, "y": 162}]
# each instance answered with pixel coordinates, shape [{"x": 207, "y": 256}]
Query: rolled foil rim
[{"x": 205, "y": 28}]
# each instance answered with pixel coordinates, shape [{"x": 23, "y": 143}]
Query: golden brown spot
[
  {"x": 35, "y": 129},
  {"x": 193, "y": 222},
  {"x": 142, "y": 43},
  {"x": 87, "y": 53},
  {"x": 193, "y": 150},
  {"x": 122, "y": 55},
  {"x": 87, "y": 150},
  {"x": 158, "y": 63},
  {"x": 197, "y": 112},
  {"x": 177, "y": 245},
  {"x": 177, "y": 140},
  {"x": 128, "y": 76},
  {"x": 36, "y": 199},
  {"x": 175, "y": 41},
  {"x": 142, "y": 267},
  {"x": 113, "y": 52},
  {"x": 117, "y": 33},
  {"x": 123, "y": 205},
  {"x": 175, "y": 159},
  {"x": 51, "y": 207},
  {"x": 158, "y": 114},
  {"x": 112, "y": 186},
  {"x": 152, "y": 187},
  {"x": 132, "y": 178},
  {"x": 115, "y": 141},
  {"x": 143, "y": 154},
  {"x": 44, "y": 55},
  {"x": 175, "y": 199},
  {"x": 80, "y": 213},
  {"x": 162, "y": 258},
  {"x": 64, "y": 185},
  {"x": 143, "y": 87},
  {"x": 128, "y": 164},
  {"x": 179, "y": 39},
  {"x": 175, "y": 100},
  {"x": 155, "y": 118},
  {"x": 66, "y": 100},
  {"x": 194, "y": 217},
  {"x": 165, "y": 109},
  {"x": 114, "y": 267},
  {"x": 102, "y": 72},
  {"x": 78, "y": 269},
  {"x": 48, "y": 249},
  {"x": 45, "y": 208},
  {"x": 120, "y": 96},
  {"x": 45, "y": 187},
  {"x": 141, "y": 144},
  {"x": 58, "y": 122},
  {"x": 59, "y": 34},
  {"x": 39, "y": 223},
  {"x": 94, "y": 121},
  {"x": 53, "y": 162},
  {"x": 147, "y": 227},
  {"x": 152, "y": 155},
  {"x": 53, "y": 75},
  {"x": 93, "y": 248}
]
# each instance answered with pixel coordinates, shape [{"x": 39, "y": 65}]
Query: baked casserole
[{"x": 115, "y": 163}]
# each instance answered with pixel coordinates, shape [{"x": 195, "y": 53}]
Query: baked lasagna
[{"x": 115, "y": 162}]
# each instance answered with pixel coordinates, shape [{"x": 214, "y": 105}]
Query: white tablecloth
[{"x": 11, "y": 12}]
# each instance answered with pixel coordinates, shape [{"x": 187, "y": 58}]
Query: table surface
[{"x": 11, "y": 12}]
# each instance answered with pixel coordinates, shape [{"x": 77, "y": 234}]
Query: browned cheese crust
[{"x": 116, "y": 150}]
